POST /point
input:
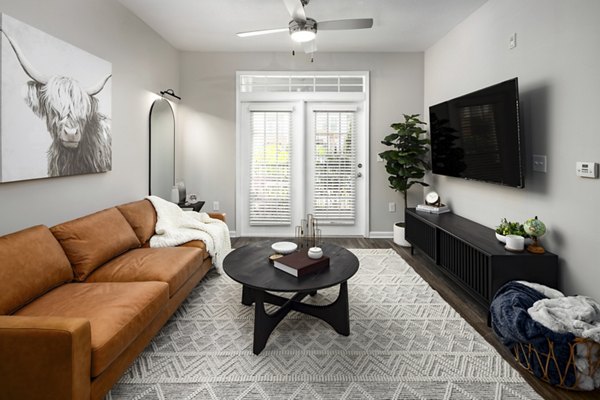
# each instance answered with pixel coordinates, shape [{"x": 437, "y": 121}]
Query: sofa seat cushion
[
  {"x": 118, "y": 313},
  {"x": 173, "y": 265},
  {"x": 31, "y": 263},
  {"x": 142, "y": 218},
  {"x": 199, "y": 244},
  {"x": 92, "y": 240}
]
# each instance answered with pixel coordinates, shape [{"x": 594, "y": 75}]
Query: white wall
[
  {"x": 557, "y": 61},
  {"x": 207, "y": 117},
  {"x": 142, "y": 64}
]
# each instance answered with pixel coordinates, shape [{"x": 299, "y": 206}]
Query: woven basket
[{"x": 526, "y": 355}]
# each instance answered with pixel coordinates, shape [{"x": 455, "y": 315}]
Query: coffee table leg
[
  {"x": 264, "y": 323},
  {"x": 336, "y": 314},
  {"x": 247, "y": 296}
]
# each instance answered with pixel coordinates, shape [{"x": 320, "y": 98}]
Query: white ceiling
[{"x": 210, "y": 25}]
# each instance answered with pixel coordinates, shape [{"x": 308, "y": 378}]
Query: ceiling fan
[{"x": 304, "y": 30}]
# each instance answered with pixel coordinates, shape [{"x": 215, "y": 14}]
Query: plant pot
[
  {"x": 502, "y": 239},
  {"x": 399, "y": 235}
]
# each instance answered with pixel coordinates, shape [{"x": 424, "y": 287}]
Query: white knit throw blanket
[
  {"x": 579, "y": 315},
  {"x": 175, "y": 226}
]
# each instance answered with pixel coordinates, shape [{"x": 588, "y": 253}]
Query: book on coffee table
[{"x": 299, "y": 264}]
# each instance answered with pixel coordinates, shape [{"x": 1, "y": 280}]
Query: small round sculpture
[
  {"x": 536, "y": 229},
  {"x": 315, "y": 253}
]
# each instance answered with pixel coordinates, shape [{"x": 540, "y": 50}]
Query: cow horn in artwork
[
  {"x": 94, "y": 90},
  {"x": 27, "y": 67}
]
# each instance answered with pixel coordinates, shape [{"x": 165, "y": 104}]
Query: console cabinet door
[{"x": 422, "y": 235}]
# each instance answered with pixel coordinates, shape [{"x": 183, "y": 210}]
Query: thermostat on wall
[{"x": 587, "y": 169}]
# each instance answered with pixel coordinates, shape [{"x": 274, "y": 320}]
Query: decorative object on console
[
  {"x": 433, "y": 204},
  {"x": 433, "y": 199},
  {"x": 76, "y": 141},
  {"x": 284, "y": 247},
  {"x": 507, "y": 227},
  {"x": 405, "y": 162},
  {"x": 515, "y": 243},
  {"x": 536, "y": 229},
  {"x": 433, "y": 209}
]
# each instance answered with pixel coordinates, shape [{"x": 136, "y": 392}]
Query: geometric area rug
[{"x": 405, "y": 342}]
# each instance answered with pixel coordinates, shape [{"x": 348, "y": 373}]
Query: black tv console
[{"x": 472, "y": 257}]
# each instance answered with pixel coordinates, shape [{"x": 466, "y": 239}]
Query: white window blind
[
  {"x": 334, "y": 198},
  {"x": 270, "y": 174},
  {"x": 302, "y": 83}
]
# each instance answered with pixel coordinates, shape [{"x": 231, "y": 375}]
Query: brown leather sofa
[{"x": 80, "y": 301}]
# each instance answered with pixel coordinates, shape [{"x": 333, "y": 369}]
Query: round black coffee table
[{"x": 250, "y": 266}]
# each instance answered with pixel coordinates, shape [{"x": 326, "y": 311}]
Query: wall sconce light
[{"x": 169, "y": 92}]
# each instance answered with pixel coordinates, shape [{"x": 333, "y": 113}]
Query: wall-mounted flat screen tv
[{"x": 478, "y": 136}]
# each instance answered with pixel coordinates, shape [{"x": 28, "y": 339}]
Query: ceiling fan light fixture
[
  {"x": 302, "y": 32},
  {"x": 303, "y": 36}
]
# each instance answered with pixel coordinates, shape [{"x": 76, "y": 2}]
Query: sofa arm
[
  {"x": 220, "y": 216},
  {"x": 45, "y": 358}
]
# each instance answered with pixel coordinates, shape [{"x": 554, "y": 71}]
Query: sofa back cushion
[
  {"x": 142, "y": 218},
  {"x": 31, "y": 264},
  {"x": 92, "y": 240}
]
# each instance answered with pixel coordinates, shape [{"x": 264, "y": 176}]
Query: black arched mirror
[{"x": 162, "y": 149}]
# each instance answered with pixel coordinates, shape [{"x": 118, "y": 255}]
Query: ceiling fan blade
[
  {"x": 310, "y": 46},
  {"x": 296, "y": 10},
  {"x": 261, "y": 32},
  {"x": 359, "y": 23}
]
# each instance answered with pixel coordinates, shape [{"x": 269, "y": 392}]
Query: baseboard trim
[
  {"x": 381, "y": 235},
  {"x": 232, "y": 234}
]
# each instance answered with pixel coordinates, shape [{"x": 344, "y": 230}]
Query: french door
[{"x": 303, "y": 157}]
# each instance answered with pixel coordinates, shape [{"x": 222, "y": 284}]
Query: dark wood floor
[{"x": 460, "y": 300}]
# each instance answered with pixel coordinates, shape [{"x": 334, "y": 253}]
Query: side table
[{"x": 197, "y": 206}]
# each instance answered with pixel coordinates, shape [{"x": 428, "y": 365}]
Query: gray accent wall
[
  {"x": 557, "y": 61},
  {"x": 208, "y": 125},
  {"x": 143, "y": 63}
]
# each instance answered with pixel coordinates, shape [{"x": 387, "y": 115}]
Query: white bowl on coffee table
[{"x": 284, "y": 247}]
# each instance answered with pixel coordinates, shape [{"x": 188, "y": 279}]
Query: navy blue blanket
[{"x": 512, "y": 324}]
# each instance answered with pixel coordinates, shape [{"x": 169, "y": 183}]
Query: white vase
[
  {"x": 399, "y": 235},
  {"x": 175, "y": 194}
]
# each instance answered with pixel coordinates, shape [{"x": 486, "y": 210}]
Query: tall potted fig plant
[{"x": 405, "y": 162}]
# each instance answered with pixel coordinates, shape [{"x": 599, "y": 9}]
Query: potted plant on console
[
  {"x": 405, "y": 162},
  {"x": 507, "y": 227}
]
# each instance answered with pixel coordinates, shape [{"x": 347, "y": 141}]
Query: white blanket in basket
[
  {"x": 579, "y": 315},
  {"x": 175, "y": 226}
]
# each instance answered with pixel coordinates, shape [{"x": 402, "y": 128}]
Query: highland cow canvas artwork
[{"x": 55, "y": 106}]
